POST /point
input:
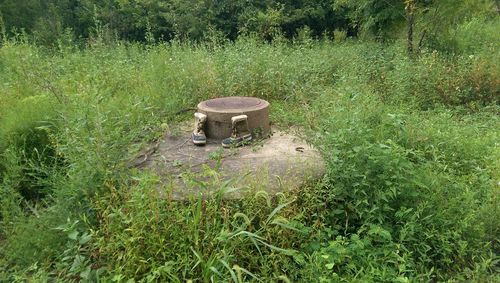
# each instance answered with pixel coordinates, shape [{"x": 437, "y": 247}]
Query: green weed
[{"x": 411, "y": 144}]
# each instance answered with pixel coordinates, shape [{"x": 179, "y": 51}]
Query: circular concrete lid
[{"x": 233, "y": 104}]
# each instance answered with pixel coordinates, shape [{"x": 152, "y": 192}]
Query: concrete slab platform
[{"x": 281, "y": 162}]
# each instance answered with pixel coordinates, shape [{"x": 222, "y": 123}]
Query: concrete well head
[{"x": 219, "y": 112}]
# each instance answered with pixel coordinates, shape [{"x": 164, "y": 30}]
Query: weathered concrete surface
[
  {"x": 282, "y": 162},
  {"x": 220, "y": 110}
]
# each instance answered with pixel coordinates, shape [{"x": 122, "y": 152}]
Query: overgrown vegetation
[
  {"x": 411, "y": 144},
  {"x": 52, "y": 22}
]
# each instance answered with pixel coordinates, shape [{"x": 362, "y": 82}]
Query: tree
[
  {"x": 20, "y": 14},
  {"x": 410, "y": 22},
  {"x": 381, "y": 18}
]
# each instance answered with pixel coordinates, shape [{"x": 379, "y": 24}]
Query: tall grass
[{"x": 411, "y": 145}]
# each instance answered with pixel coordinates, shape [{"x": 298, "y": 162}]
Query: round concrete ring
[{"x": 220, "y": 110}]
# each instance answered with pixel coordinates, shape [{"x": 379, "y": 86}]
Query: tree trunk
[
  {"x": 410, "y": 22},
  {"x": 421, "y": 41}
]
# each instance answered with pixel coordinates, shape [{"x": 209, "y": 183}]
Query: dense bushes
[
  {"x": 151, "y": 20},
  {"x": 411, "y": 183},
  {"x": 411, "y": 146},
  {"x": 53, "y": 22}
]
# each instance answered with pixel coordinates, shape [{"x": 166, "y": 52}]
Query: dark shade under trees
[{"x": 154, "y": 20}]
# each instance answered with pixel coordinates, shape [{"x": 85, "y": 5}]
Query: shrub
[
  {"x": 410, "y": 143},
  {"x": 26, "y": 144},
  {"x": 410, "y": 192},
  {"x": 143, "y": 235}
]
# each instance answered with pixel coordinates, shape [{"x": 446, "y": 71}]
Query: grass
[{"x": 411, "y": 145}]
